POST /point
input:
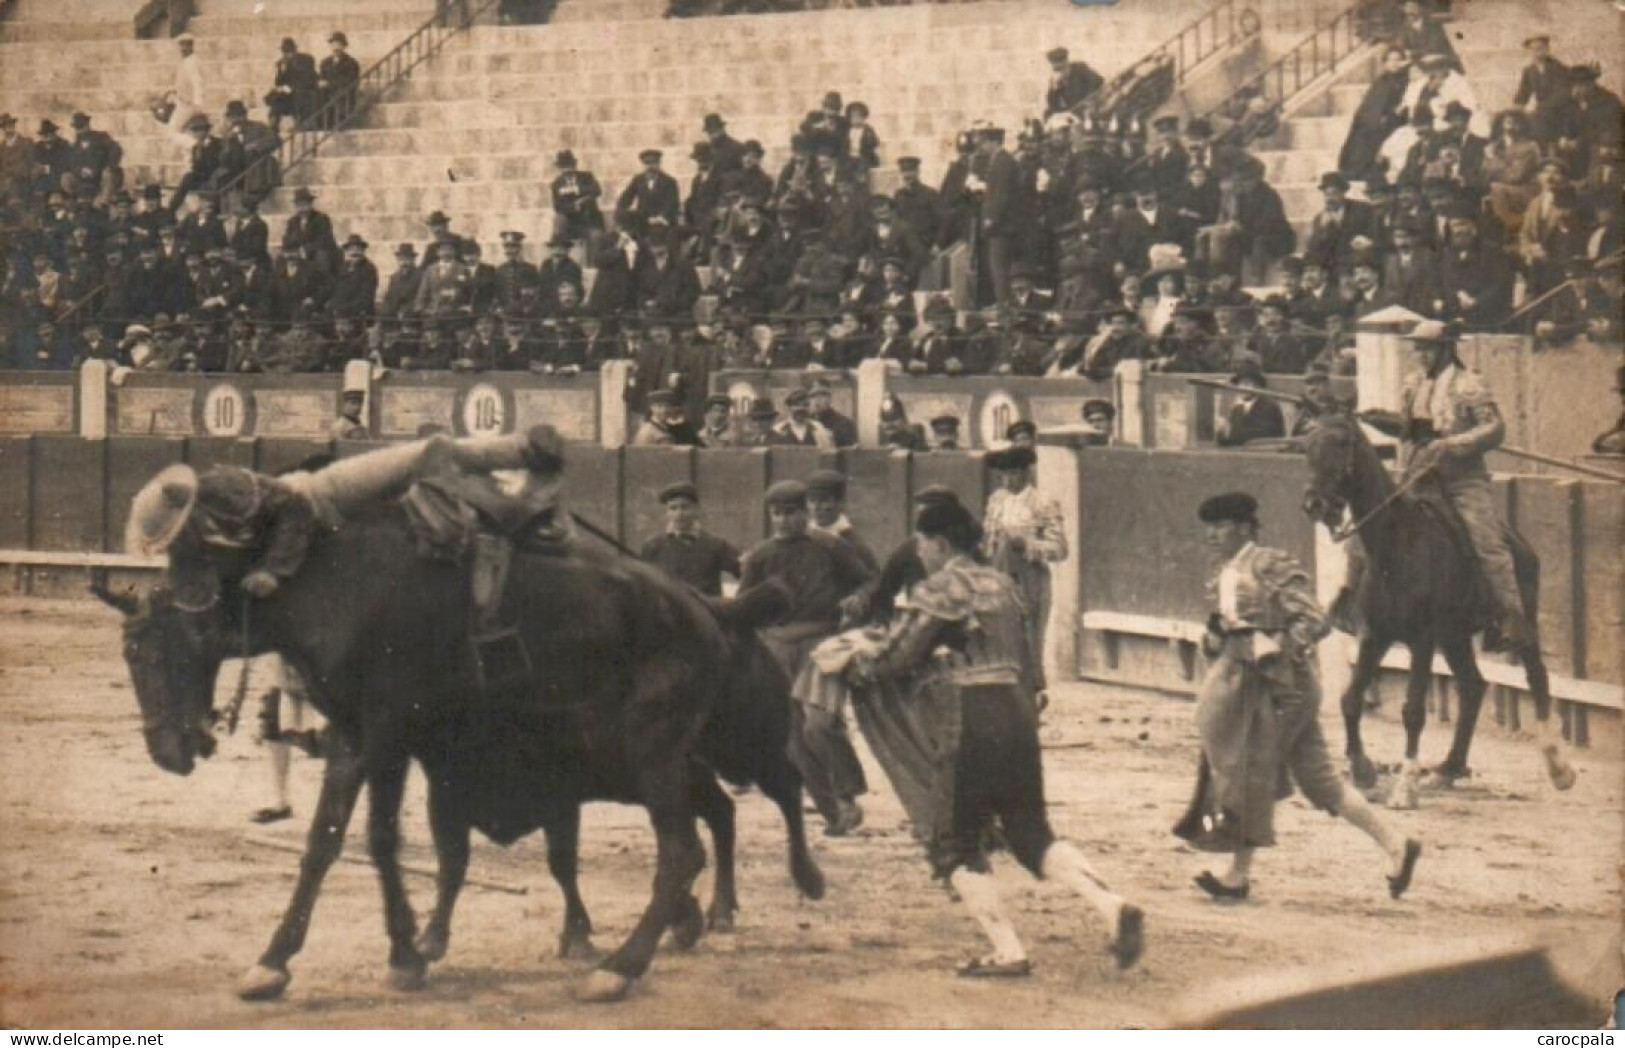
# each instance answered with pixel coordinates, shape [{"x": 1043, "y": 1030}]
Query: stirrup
[{"x": 501, "y": 660}]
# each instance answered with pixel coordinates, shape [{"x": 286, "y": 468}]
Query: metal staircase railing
[
  {"x": 1219, "y": 28},
  {"x": 451, "y": 17},
  {"x": 1318, "y": 55}
]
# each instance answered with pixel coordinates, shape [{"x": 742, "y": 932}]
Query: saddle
[{"x": 465, "y": 518}]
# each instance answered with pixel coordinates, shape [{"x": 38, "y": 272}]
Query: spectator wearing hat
[
  {"x": 485, "y": 289},
  {"x": 95, "y": 159},
  {"x": 826, "y": 503},
  {"x": 1070, "y": 83},
  {"x": 726, "y": 152},
  {"x": 918, "y": 206},
  {"x": 1438, "y": 86},
  {"x": 1100, "y": 416},
  {"x": 717, "y": 429},
  {"x": 1468, "y": 165},
  {"x": 862, "y": 145},
  {"x": 999, "y": 177},
  {"x": 336, "y": 79},
  {"x": 649, "y": 194},
  {"x": 685, "y": 550},
  {"x": 1341, "y": 221},
  {"x": 355, "y": 285},
  {"x": 1186, "y": 347},
  {"x": 297, "y": 285},
  {"x": 445, "y": 287},
  {"x": 1251, "y": 417},
  {"x": 1420, "y": 34},
  {"x": 517, "y": 279},
  {"x": 1023, "y": 533},
  {"x": 1118, "y": 339},
  {"x": 310, "y": 231},
  {"x": 351, "y": 423},
  {"x": 821, "y": 408},
  {"x": 203, "y": 228},
  {"x": 754, "y": 427},
  {"x": 1589, "y": 119},
  {"x": 244, "y": 344},
  {"x": 296, "y": 91},
  {"x": 819, "y": 572},
  {"x": 247, "y": 154},
  {"x": 824, "y": 128},
  {"x": 300, "y": 349},
  {"x": 1555, "y": 232},
  {"x": 1511, "y": 162},
  {"x": 1475, "y": 280},
  {"x": 400, "y": 292},
  {"x": 1166, "y": 161},
  {"x": 16, "y": 157},
  {"x": 664, "y": 283},
  {"x": 1380, "y": 112},
  {"x": 482, "y": 349},
  {"x": 575, "y": 194},
  {"x": 556, "y": 269},
  {"x": 1022, "y": 433},
  {"x": 945, "y": 433},
  {"x": 956, "y": 197},
  {"x": 1543, "y": 87},
  {"x": 186, "y": 94},
  {"x": 205, "y": 172},
  {"x": 1279, "y": 350},
  {"x": 1542, "y": 215},
  {"x": 799, "y": 428}
]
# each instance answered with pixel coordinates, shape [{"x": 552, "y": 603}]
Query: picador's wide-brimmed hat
[
  {"x": 160, "y": 510},
  {"x": 1432, "y": 331}
]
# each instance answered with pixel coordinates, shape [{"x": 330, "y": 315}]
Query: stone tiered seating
[{"x": 1488, "y": 35}]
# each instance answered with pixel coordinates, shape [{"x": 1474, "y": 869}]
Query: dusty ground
[{"x": 131, "y": 898}]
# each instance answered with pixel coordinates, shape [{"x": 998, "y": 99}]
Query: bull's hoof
[
  {"x": 689, "y": 925},
  {"x": 721, "y": 919},
  {"x": 433, "y": 943},
  {"x": 409, "y": 979},
  {"x": 1363, "y": 771},
  {"x": 263, "y": 983},
  {"x": 1558, "y": 768},
  {"x": 808, "y": 877},
  {"x": 603, "y": 986}
]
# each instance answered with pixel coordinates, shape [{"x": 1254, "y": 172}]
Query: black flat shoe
[
  {"x": 1129, "y": 943},
  {"x": 1220, "y": 890},
  {"x": 988, "y": 968},
  {"x": 270, "y": 815},
  {"x": 1398, "y": 884}
]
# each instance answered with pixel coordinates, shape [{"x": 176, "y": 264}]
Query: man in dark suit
[
  {"x": 1151, "y": 221},
  {"x": 918, "y": 205},
  {"x": 401, "y": 291},
  {"x": 726, "y": 152},
  {"x": 649, "y": 194},
  {"x": 485, "y": 289},
  {"x": 1252, "y": 417},
  {"x": 664, "y": 283},
  {"x": 1070, "y": 83},
  {"x": 1201, "y": 150},
  {"x": 998, "y": 174},
  {"x": 1420, "y": 35},
  {"x": 1543, "y": 87},
  {"x": 1411, "y": 271},
  {"x": 309, "y": 227},
  {"x": 296, "y": 92},
  {"x": 1332, "y": 232},
  {"x": 355, "y": 285},
  {"x": 95, "y": 157},
  {"x": 337, "y": 79},
  {"x": 1470, "y": 148},
  {"x": 559, "y": 268},
  {"x": 246, "y": 142},
  {"x": 749, "y": 180},
  {"x": 1475, "y": 283},
  {"x": 207, "y": 153},
  {"x": 1166, "y": 162},
  {"x": 1591, "y": 118},
  {"x": 575, "y": 196}
]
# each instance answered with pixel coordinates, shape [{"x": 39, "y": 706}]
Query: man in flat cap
[
  {"x": 1257, "y": 710},
  {"x": 649, "y": 194},
  {"x": 818, "y": 571},
  {"x": 717, "y": 429},
  {"x": 686, "y": 550},
  {"x": 1543, "y": 87},
  {"x": 1070, "y": 83},
  {"x": 799, "y": 429},
  {"x": 945, "y": 433},
  {"x": 826, "y": 501},
  {"x": 664, "y": 425}
]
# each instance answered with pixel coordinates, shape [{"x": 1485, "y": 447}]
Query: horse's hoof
[
  {"x": 263, "y": 983},
  {"x": 689, "y": 925},
  {"x": 1559, "y": 769},
  {"x": 408, "y": 980},
  {"x": 1403, "y": 797},
  {"x": 720, "y": 920},
  {"x": 577, "y": 946},
  {"x": 1363, "y": 771},
  {"x": 603, "y": 987},
  {"x": 432, "y": 944}
]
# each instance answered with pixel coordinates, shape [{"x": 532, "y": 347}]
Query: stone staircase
[{"x": 1488, "y": 35}]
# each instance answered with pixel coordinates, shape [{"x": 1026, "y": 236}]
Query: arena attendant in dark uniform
[
  {"x": 1258, "y": 708},
  {"x": 687, "y": 551},
  {"x": 819, "y": 571},
  {"x": 958, "y": 736}
]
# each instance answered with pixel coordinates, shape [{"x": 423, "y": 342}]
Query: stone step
[
  {"x": 609, "y": 11},
  {"x": 291, "y": 8},
  {"x": 384, "y": 231},
  {"x": 20, "y": 34},
  {"x": 48, "y": 59}
]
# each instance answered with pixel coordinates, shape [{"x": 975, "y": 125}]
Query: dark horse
[
  {"x": 1421, "y": 589},
  {"x": 636, "y": 678}
]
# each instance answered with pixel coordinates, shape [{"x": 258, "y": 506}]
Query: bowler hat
[
  {"x": 714, "y": 122},
  {"x": 945, "y": 424},
  {"x": 564, "y": 158},
  {"x": 762, "y": 410},
  {"x": 1234, "y": 506},
  {"x": 337, "y": 37},
  {"x": 1058, "y": 54},
  {"x": 235, "y": 108},
  {"x": 303, "y": 196},
  {"x": 437, "y": 218},
  {"x": 46, "y": 127},
  {"x": 650, "y": 156}
]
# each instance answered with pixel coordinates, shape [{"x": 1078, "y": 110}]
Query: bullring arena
[{"x": 684, "y": 348}]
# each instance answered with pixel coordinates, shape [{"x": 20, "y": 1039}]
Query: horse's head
[
  {"x": 174, "y": 651},
  {"x": 1331, "y": 447}
]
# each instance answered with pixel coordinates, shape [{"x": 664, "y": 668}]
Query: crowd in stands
[{"x": 1106, "y": 234}]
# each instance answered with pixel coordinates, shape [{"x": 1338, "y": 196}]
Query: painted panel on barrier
[
  {"x": 574, "y": 413},
  {"x": 294, "y": 413},
  {"x": 37, "y": 408},
  {"x": 154, "y": 411},
  {"x": 404, "y": 411},
  {"x": 1172, "y": 425}
]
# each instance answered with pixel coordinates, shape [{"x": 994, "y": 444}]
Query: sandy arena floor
[{"x": 130, "y": 898}]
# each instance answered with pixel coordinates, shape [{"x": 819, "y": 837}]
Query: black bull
[{"x": 637, "y": 682}]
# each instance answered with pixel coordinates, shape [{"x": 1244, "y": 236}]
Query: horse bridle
[{"x": 1348, "y": 531}]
